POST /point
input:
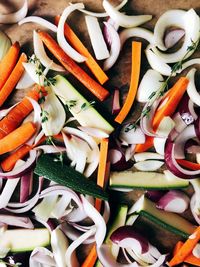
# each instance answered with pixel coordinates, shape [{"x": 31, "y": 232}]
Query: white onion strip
[
  {"x": 60, "y": 33},
  {"x": 13, "y": 220},
  {"x": 136, "y": 32},
  {"x": 41, "y": 54},
  {"x": 103, "y": 15},
  {"x": 16, "y": 16},
  {"x": 7, "y": 192},
  {"x": 115, "y": 47},
  {"x": 43, "y": 22},
  {"x": 124, "y": 20},
  {"x": 96, "y": 38},
  {"x": 148, "y": 165},
  {"x": 25, "y": 81},
  {"x": 191, "y": 89},
  {"x": 4, "y": 112}
]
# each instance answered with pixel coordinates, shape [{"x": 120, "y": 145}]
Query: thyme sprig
[
  {"x": 60, "y": 156},
  {"x": 165, "y": 84}
]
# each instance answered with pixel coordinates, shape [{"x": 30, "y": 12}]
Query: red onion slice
[
  {"x": 19, "y": 171},
  {"x": 197, "y": 128},
  {"x": 50, "y": 149},
  {"x": 115, "y": 47},
  {"x": 126, "y": 237},
  {"x": 26, "y": 186},
  {"x": 116, "y": 102},
  {"x": 174, "y": 201},
  {"x": 13, "y": 220},
  {"x": 174, "y": 167},
  {"x": 8, "y": 191},
  {"x": 41, "y": 256},
  {"x": 193, "y": 209},
  {"x": 155, "y": 195},
  {"x": 106, "y": 33},
  {"x": 173, "y": 37}
]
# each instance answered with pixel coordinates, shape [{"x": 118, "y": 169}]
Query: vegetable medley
[{"x": 64, "y": 160}]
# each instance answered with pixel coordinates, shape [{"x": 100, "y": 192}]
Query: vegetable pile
[{"x": 64, "y": 156}]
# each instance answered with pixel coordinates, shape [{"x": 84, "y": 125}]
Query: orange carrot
[
  {"x": 100, "y": 92},
  {"x": 8, "y": 163},
  {"x": 79, "y": 46},
  {"x": 135, "y": 74},
  {"x": 8, "y": 63},
  {"x": 171, "y": 100},
  {"x": 191, "y": 259},
  {"x": 15, "y": 117},
  {"x": 17, "y": 138},
  {"x": 188, "y": 164},
  {"x": 186, "y": 249},
  {"x": 102, "y": 178},
  {"x": 13, "y": 79}
]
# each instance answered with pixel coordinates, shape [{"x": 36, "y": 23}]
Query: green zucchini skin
[{"x": 67, "y": 176}]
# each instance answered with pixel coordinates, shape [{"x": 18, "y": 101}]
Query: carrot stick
[
  {"x": 191, "y": 259},
  {"x": 8, "y": 163},
  {"x": 102, "y": 178},
  {"x": 8, "y": 63},
  {"x": 188, "y": 164},
  {"x": 15, "y": 117},
  {"x": 100, "y": 92},
  {"x": 135, "y": 74},
  {"x": 186, "y": 249},
  {"x": 171, "y": 100},
  {"x": 13, "y": 79},
  {"x": 79, "y": 46},
  {"x": 17, "y": 138}
]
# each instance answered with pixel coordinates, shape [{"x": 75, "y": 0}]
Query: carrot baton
[
  {"x": 171, "y": 100},
  {"x": 15, "y": 117},
  {"x": 8, "y": 163},
  {"x": 17, "y": 138},
  {"x": 79, "y": 46},
  {"x": 100, "y": 92},
  {"x": 135, "y": 75},
  {"x": 186, "y": 248},
  {"x": 8, "y": 63},
  {"x": 13, "y": 79}
]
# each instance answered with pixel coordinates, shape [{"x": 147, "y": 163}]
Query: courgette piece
[
  {"x": 81, "y": 109},
  {"x": 21, "y": 240},
  {"x": 118, "y": 221},
  {"x": 67, "y": 176},
  {"x": 146, "y": 180},
  {"x": 168, "y": 220}
]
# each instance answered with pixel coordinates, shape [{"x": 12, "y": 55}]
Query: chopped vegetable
[
  {"x": 79, "y": 46},
  {"x": 17, "y": 138},
  {"x": 5, "y": 44},
  {"x": 72, "y": 67},
  {"x": 135, "y": 73}
]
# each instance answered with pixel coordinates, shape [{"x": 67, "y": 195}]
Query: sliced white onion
[
  {"x": 71, "y": 259},
  {"x": 173, "y": 37},
  {"x": 25, "y": 81},
  {"x": 115, "y": 47},
  {"x": 102, "y": 15},
  {"x": 41, "y": 54},
  {"x": 54, "y": 123},
  {"x": 191, "y": 34},
  {"x": 39, "y": 137},
  {"x": 148, "y": 165},
  {"x": 129, "y": 252},
  {"x": 41, "y": 257},
  {"x": 194, "y": 208},
  {"x": 150, "y": 83},
  {"x": 37, "y": 112},
  {"x": 156, "y": 62},
  {"x": 189, "y": 63},
  {"x": 50, "y": 149},
  {"x": 165, "y": 127},
  {"x": 173, "y": 17},
  {"x": 159, "y": 145},
  {"x": 31, "y": 69},
  {"x": 130, "y": 152},
  {"x": 124, "y": 20},
  {"x": 69, "y": 50},
  {"x": 93, "y": 132},
  {"x": 191, "y": 89},
  {"x": 96, "y": 38},
  {"x": 16, "y": 16},
  {"x": 173, "y": 201},
  {"x": 185, "y": 135},
  {"x": 7, "y": 192},
  {"x": 133, "y": 136},
  {"x": 5, "y": 44},
  {"x": 61, "y": 206},
  {"x": 43, "y": 22},
  {"x": 59, "y": 245},
  {"x": 136, "y": 32},
  {"x": 13, "y": 220},
  {"x": 98, "y": 220},
  {"x": 196, "y": 251},
  {"x": 147, "y": 155}
]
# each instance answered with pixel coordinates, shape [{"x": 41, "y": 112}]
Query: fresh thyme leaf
[
  {"x": 152, "y": 95},
  {"x": 44, "y": 115},
  {"x": 71, "y": 103},
  {"x": 85, "y": 106}
]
